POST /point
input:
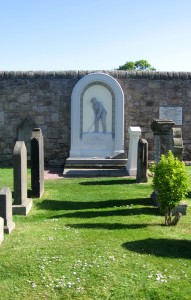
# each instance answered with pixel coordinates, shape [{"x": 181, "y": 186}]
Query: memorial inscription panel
[{"x": 171, "y": 113}]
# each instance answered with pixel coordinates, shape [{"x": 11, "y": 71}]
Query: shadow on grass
[
  {"x": 75, "y": 205},
  {"x": 109, "y": 182},
  {"x": 161, "y": 247},
  {"x": 108, "y": 226},
  {"x": 188, "y": 195},
  {"x": 110, "y": 213}
]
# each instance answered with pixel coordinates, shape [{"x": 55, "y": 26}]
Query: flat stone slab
[
  {"x": 94, "y": 172},
  {"x": 24, "y": 208}
]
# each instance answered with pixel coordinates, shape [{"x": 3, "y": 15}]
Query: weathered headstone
[
  {"x": 176, "y": 142},
  {"x": 21, "y": 204},
  {"x": 24, "y": 133},
  {"x": 6, "y": 209},
  {"x": 1, "y": 230},
  {"x": 142, "y": 161},
  {"x": 161, "y": 130},
  {"x": 167, "y": 138},
  {"x": 134, "y": 133},
  {"x": 37, "y": 163}
]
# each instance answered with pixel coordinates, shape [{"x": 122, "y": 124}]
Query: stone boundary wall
[{"x": 43, "y": 100}]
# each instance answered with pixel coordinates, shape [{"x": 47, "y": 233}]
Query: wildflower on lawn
[
  {"x": 33, "y": 285},
  {"x": 111, "y": 257},
  {"x": 69, "y": 284},
  {"x": 160, "y": 277},
  {"x": 53, "y": 219}
]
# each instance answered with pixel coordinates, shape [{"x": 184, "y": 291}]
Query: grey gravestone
[
  {"x": 176, "y": 142},
  {"x": 142, "y": 161},
  {"x": 24, "y": 133},
  {"x": 161, "y": 130},
  {"x": 167, "y": 138},
  {"x": 181, "y": 208},
  {"x": 37, "y": 163},
  {"x": 1, "y": 230},
  {"x": 21, "y": 204},
  {"x": 6, "y": 209}
]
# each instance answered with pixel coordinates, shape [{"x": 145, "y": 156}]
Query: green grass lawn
[{"x": 95, "y": 238}]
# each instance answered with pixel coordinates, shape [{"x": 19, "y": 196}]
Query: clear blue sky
[{"x": 94, "y": 34}]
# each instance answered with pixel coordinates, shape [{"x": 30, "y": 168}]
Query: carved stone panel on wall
[
  {"x": 97, "y": 117},
  {"x": 171, "y": 113}
]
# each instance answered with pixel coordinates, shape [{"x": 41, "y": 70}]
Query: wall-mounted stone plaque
[{"x": 171, "y": 113}]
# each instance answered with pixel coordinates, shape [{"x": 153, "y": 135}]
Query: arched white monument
[{"x": 97, "y": 117}]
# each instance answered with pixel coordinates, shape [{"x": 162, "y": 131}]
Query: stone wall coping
[{"x": 155, "y": 75}]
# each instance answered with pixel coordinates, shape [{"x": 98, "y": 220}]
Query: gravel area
[{"x": 53, "y": 173}]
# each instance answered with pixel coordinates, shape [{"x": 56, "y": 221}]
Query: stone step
[
  {"x": 93, "y": 172},
  {"x": 94, "y": 162}
]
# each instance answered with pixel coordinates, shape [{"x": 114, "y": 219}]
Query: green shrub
[{"x": 170, "y": 182}]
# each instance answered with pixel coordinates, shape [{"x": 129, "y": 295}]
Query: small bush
[{"x": 170, "y": 182}]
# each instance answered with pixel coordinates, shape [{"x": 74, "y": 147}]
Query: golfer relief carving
[
  {"x": 99, "y": 114},
  {"x": 97, "y": 117}
]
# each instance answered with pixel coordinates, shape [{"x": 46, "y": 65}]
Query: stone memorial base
[
  {"x": 24, "y": 208},
  {"x": 95, "y": 173},
  {"x": 94, "y": 144},
  {"x": 1, "y": 230},
  {"x": 94, "y": 166},
  {"x": 181, "y": 208},
  {"x": 8, "y": 229},
  {"x": 97, "y": 144}
]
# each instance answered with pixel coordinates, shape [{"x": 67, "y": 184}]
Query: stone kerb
[
  {"x": 37, "y": 163},
  {"x": 134, "y": 133},
  {"x": 115, "y": 88},
  {"x": 6, "y": 209},
  {"x": 21, "y": 204}
]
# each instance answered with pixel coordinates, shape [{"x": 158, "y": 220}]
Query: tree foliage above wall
[{"x": 139, "y": 65}]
